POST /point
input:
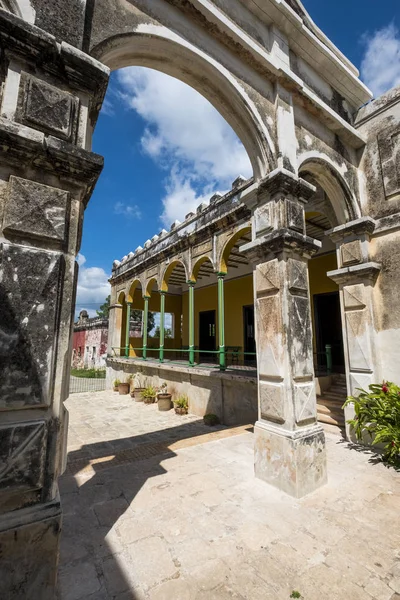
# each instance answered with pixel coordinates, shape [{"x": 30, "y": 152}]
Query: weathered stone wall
[{"x": 46, "y": 178}]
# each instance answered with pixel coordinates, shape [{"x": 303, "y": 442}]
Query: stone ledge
[
  {"x": 21, "y": 144},
  {"x": 369, "y": 270},
  {"x": 111, "y": 362}
]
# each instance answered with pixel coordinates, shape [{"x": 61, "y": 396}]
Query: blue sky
[{"x": 166, "y": 149}]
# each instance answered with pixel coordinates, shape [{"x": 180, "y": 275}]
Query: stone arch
[
  {"x": 168, "y": 271},
  {"x": 223, "y": 262},
  {"x": 121, "y": 297},
  {"x": 326, "y": 174},
  {"x": 21, "y": 8},
  {"x": 149, "y": 286},
  {"x": 132, "y": 289},
  {"x": 198, "y": 265},
  {"x": 162, "y": 50}
]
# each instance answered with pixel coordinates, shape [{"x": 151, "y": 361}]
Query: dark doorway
[
  {"x": 207, "y": 334},
  {"x": 328, "y": 330},
  {"x": 249, "y": 334}
]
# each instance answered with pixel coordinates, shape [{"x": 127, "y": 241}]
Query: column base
[
  {"x": 292, "y": 461},
  {"x": 29, "y": 540}
]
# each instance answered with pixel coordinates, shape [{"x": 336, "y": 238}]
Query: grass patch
[{"x": 89, "y": 373}]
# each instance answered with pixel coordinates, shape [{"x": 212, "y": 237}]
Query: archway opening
[{"x": 329, "y": 208}]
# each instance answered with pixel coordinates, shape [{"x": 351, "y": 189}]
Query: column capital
[
  {"x": 221, "y": 275},
  {"x": 366, "y": 271},
  {"x": 191, "y": 283},
  {"x": 279, "y": 242},
  {"x": 365, "y": 226}
]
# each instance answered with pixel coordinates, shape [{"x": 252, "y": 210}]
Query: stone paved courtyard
[{"x": 159, "y": 507}]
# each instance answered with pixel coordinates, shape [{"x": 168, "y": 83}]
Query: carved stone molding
[
  {"x": 22, "y": 455},
  {"x": 389, "y": 151},
  {"x": 48, "y": 108},
  {"x": 34, "y": 209},
  {"x": 30, "y": 284}
]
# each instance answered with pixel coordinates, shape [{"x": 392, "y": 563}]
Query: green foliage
[
  {"x": 149, "y": 392},
  {"x": 378, "y": 414},
  {"x": 167, "y": 333},
  {"x": 211, "y": 420},
  {"x": 137, "y": 315},
  {"x": 182, "y": 402},
  {"x": 89, "y": 373},
  {"x": 104, "y": 308},
  {"x": 295, "y": 594},
  {"x": 116, "y": 382}
]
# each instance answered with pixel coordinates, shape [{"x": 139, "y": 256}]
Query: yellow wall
[
  {"x": 173, "y": 304},
  {"x": 238, "y": 293}
]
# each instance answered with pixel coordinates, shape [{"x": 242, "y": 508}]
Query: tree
[
  {"x": 104, "y": 309},
  {"x": 137, "y": 315}
]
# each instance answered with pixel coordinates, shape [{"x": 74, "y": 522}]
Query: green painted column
[
  {"x": 191, "y": 322},
  {"x": 221, "y": 321},
  {"x": 162, "y": 324},
  {"x": 127, "y": 327},
  {"x": 145, "y": 320}
]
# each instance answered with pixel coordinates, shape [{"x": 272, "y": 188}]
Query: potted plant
[
  {"x": 124, "y": 386},
  {"x": 211, "y": 420},
  {"x": 139, "y": 387},
  {"x": 132, "y": 385},
  {"x": 116, "y": 385},
  {"x": 164, "y": 398},
  {"x": 149, "y": 395},
  {"x": 181, "y": 405}
]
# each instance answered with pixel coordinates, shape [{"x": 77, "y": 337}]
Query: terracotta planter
[
  {"x": 138, "y": 394},
  {"x": 116, "y": 388},
  {"x": 149, "y": 400},
  {"x": 181, "y": 411},
  {"x": 164, "y": 401},
  {"x": 123, "y": 389}
]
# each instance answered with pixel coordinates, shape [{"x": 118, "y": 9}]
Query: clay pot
[
  {"x": 123, "y": 389},
  {"x": 137, "y": 394},
  {"x": 180, "y": 411},
  {"x": 149, "y": 400},
  {"x": 116, "y": 388},
  {"x": 164, "y": 401}
]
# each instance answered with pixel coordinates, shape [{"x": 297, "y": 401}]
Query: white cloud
[
  {"x": 380, "y": 67},
  {"x": 108, "y": 107},
  {"x": 132, "y": 211},
  {"x": 186, "y": 135},
  {"x": 181, "y": 198},
  {"x": 93, "y": 287}
]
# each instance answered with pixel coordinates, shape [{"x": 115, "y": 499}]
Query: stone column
[
  {"x": 356, "y": 278},
  {"x": 289, "y": 443},
  {"x": 46, "y": 179},
  {"x": 114, "y": 330}
]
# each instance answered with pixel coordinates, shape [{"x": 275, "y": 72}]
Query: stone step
[
  {"x": 329, "y": 406},
  {"x": 339, "y": 422},
  {"x": 334, "y": 429},
  {"x": 334, "y": 396},
  {"x": 342, "y": 389}
]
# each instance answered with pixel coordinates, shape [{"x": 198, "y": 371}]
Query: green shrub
[
  {"x": 211, "y": 420},
  {"x": 89, "y": 373},
  {"x": 378, "y": 414},
  {"x": 149, "y": 392},
  {"x": 116, "y": 382},
  {"x": 182, "y": 402}
]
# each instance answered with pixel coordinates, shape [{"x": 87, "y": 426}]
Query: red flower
[{"x": 385, "y": 389}]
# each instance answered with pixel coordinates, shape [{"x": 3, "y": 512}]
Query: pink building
[{"x": 89, "y": 342}]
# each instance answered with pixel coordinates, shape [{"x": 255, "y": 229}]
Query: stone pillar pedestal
[
  {"x": 356, "y": 279},
  {"x": 114, "y": 329},
  {"x": 289, "y": 444}
]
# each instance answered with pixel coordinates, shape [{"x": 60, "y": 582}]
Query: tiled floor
[{"x": 158, "y": 506}]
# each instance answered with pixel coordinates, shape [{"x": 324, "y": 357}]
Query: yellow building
[{"x": 196, "y": 283}]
